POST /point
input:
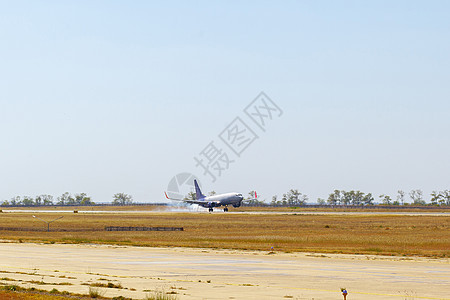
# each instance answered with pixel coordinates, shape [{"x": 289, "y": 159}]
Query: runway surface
[
  {"x": 221, "y": 274},
  {"x": 219, "y": 211}
]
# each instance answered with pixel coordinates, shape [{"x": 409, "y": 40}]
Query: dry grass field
[
  {"x": 28, "y": 295},
  {"x": 353, "y": 234},
  {"x": 159, "y": 208}
]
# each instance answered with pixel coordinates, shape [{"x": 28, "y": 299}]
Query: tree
[
  {"x": 291, "y": 197},
  {"x": 87, "y": 201},
  {"x": 352, "y": 197},
  {"x": 358, "y": 198},
  {"x": 16, "y": 201},
  {"x": 368, "y": 199},
  {"x": 416, "y": 197},
  {"x": 28, "y": 201},
  {"x": 386, "y": 199},
  {"x": 401, "y": 197},
  {"x": 48, "y": 199},
  {"x": 274, "y": 200},
  {"x": 304, "y": 199},
  {"x": 348, "y": 197},
  {"x": 212, "y": 193},
  {"x": 43, "y": 200},
  {"x": 339, "y": 195},
  {"x": 435, "y": 196},
  {"x": 122, "y": 199},
  {"x": 334, "y": 198},
  {"x": 191, "y": 196},
  {"x": 331, "y": 199},
  {"x": 285, "y": 200},
  {"x": 5, "y": 203},
  {"x": 294, "y": 197},
  {"x": 321, "y": 201},
  {"x": 38, "y": 201},
  {"x": 65, "y": 199},
  {"x": 446, "y": 197},
  {"x": 83, "y": 199}
]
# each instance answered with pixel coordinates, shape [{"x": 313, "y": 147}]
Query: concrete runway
[
  {"x": 234, "y": 211},
  {"x": 222, "y": 274}
]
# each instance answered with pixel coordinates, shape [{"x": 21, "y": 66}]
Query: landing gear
[
  {"x": 225, "y": 209},
  {"x": 210, "y": 209}
]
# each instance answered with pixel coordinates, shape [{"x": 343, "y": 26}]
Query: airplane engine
[
  {"x": 211, "y": 204},
  {"x": 237, "y": 204}
]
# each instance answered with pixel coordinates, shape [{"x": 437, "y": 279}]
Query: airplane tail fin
[{"x": 198, "y": 192}]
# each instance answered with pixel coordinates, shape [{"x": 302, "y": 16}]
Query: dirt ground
[{"x": 221, "y": 274}]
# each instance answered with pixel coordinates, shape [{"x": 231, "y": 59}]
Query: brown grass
[
  {"x": 4, "y": 295},
  {"x": 244, "y": 208},
  {"x": 17, "y": 293},
  {"x": 363, "y": 234}
]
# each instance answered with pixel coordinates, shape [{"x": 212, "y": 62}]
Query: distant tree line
[
  {"x": 341, "y": 197},
  {"x": 292, "y": 198},
  {"x": 65, "y": 199},
  {"x": 47, "y": 200},
  {"x": 440, "y": 198},
  {"x": 346, "y": 198}
]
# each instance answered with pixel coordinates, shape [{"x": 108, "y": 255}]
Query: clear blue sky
[{"x": 119, "y": 96}]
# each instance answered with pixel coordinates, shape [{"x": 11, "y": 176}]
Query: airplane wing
[{"x": 186, "y": 200}]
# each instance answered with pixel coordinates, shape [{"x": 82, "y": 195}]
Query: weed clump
[
  {"x": 95, "y": 293},
  {"x": 161, "y": 295}
]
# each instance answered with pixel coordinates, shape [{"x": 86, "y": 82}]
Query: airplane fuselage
[{"x": 233, "y": 199}]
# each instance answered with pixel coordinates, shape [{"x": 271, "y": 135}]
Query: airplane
[{"x": 234, "y": 199}]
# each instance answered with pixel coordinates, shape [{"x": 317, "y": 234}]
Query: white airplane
[{"x": 234, "y": 199}]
